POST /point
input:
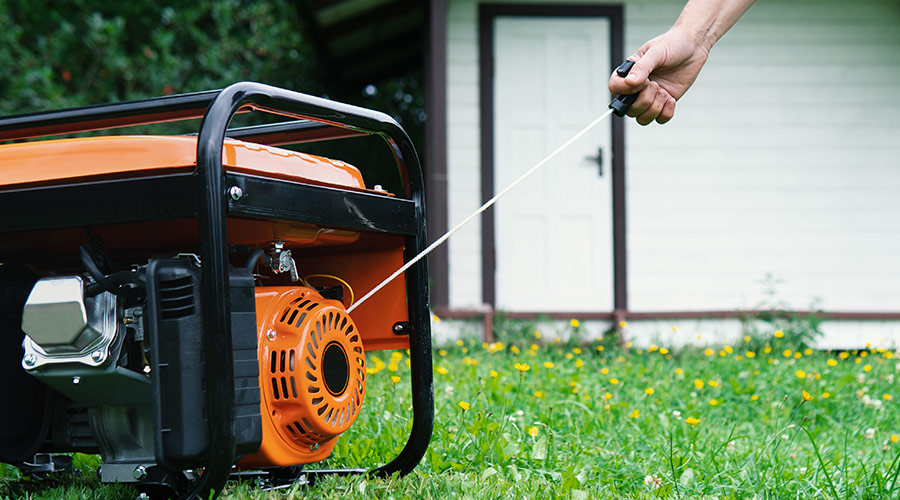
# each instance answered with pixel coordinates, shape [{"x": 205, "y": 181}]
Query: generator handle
[{"x": 214, "y": 287}]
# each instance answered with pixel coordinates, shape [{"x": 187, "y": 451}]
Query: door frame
[{"x": 487, "y": 13}]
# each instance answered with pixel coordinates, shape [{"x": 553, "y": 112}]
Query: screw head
[
  {"x": 236, "y": 192},
  {"x": 139, "y": 473},
  {"x": 97, "y": 356},
  {"x": 29, "y": 360},
  {"x": 271, "y": 335}
]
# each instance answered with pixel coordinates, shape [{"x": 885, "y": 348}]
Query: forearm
[{"x": 707, "y": 20}]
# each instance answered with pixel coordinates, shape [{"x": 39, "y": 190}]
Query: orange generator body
[{"x": 184, "y": 303}]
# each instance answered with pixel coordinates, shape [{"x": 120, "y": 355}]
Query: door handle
[{"x": 598, "y": 160}]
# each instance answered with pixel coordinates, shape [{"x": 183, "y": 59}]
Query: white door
[{"x": 554, "y": 232}]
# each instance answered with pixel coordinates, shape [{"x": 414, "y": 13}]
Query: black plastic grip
[{"x": 621, "y": 103}]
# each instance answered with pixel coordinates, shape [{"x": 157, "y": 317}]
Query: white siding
[{"x": 783, "y": 160}]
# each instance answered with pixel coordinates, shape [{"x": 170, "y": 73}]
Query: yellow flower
[
  {"x": 888, "y": 355},
  {"x": 679, "y": 371},
  {"x": 714, "y": 402},
  {"x": 653, "y": 347},
  {"x": 395, "y": 379},
  {"x": 826, "y": 395},
  {"x": 470, "y": 361},
  {"x": 628, "y": 345},
  {"x": 767, "y": 349},
  {"x": 463, "y": 405},
  {"x": 613, "y": 381},
  {"x": 858, "y": 360},
  {"x": 887, "y": 397},
  {"x": 844, "y": 355},
  {"x": 557, "y": 340},
  {"x": 806, "y": 396},
  {"x": 800, "y": 374},
  {"x": 754, "y": 397},
  {"x": 494, "y": 373},
  {"x": 484, "y": 345},
  {"x": 750, "y": 354},
  {"x": 538, "y": 394},
  {"x": 548, "y": 365},
  {"x": 807, "y": 352},
  {"x": 713, "y": 383},
  {"x": 574, "y": 323},
  {"x": 393, "y": 366},
  {"x": 623, "y": 324},
  {"x": 674, "y": 328},
  {"x": 863, "y": 354},
  {"x": 699, "y": 383},
  {"x": 522, "y": 367},
  {"x": 692, "y": 420},
  {"x": 459, "y": 342},
  {"x": 569, "y": 355},
  {"x": 579, "y": 363},
  {"x": 604, "y": 371},
  {"x": 533, "y": 431},
  {"x": 895, "y": 438},
  {"x": 534, "y": 347},
  {"x": 607, "y": 396},
  {"x": 435, "y": 318},
  {"x": 787, "y": 353},
  {"x": 867, "y": 368},
  {"x": 606, "y": 407},
  {"x": 832, "y": 362},
  {"x": 663, "y": 351},
  {"x": 577, "y": 350},
  {"x": 513, "y": 349},
  {"x": 537, "y": 334},
  {"x": 708, "y": 352},
  {"x": 600, "y": 348},
  {"x": 746, "y": 338},
  {"x": 728, "y": 349},
  {"x": 441, "y": 370},
  {"x": 635, "y": 413},
  {"x": 649, "y": 391},
  {"x": 442, "y": 352},
  {"x": 574, "y": 390},
  {"x": 798, "y": 355},
  {"x": 396, "y": 356},
  {"x": 779, "y": 334}
]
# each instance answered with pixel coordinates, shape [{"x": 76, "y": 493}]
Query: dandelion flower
[
  {"x": 797, "y": 355},
  {"x": 574, "y": 323},
  {"x": 832, "y": 362},
  {"x": 679, "y": 371},
  {"x": 699, "y": 383},
  {"x": 867, "y": 368},
  {"x": 463, "y": 405},
  {"x": 767, "y": 349},
  {"x": 548, "y": 365},
  {"x": 537, "y": 334},
  {"x": 887, "y": 397},
  {"x": 569, "y": 355},
  {"x": 634, "y": 414},
  {"x": 494, "y": 374},
  {"x": 579, "y": 363},
  {"x": 714, "y": 402},
  {"x": 895, "y": 438},
  {"x": 533, "y": 431},
  {"x": 728, "y": 349},
  {"x": 663, "y": 351},
  {"x": 709, "y": 352},
  {"x": 435, "y": 318},
  {"x": 649, "y": 391},
  {"x": 522, "y": 367},
  {"x": 787, "y": 353},
  {"x": 441, "y": 370},
  {"x": 674, "y": 328},
  {"x": 826, "y": 395},
  {"x": 652, "y": 348},
  {"x": 613, "y": 381},
  {"x": 754, "y": 397},
  {"x": 692, "y": 420},
  {"x": 779, "y": 334},
  {"x": 513, "y": 349},
  {"x": 807, "y": 396},
  {"x": 538, "y": 394},
  {"x": 807, "y": 352},
  {"x": 746, "y": 338},
  {"x": 459, "y": 342},
  {"x": 750, "y": 354},
  {"x": 607, "y": 396},
  {"x": 600, "y": 348},
  {"x": 442, "y": 352},
  {"x": 604, "y": 371},
  {"x": 395, "y": 379},
  {"x": 577, "y": 350},
  {"x": 844, "y": 355},
  {"x": 628, "y": 345},
  {"x": 623, "y": 324},
  {"x": 800, "y": 374},
  {"x": 534, "y": 347},
  {"x": 713, "y": 384}
]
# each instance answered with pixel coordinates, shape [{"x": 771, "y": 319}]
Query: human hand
[{"x": 664, "y": 69}]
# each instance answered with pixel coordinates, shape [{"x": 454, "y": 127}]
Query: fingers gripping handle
[{"x": 621, "y": 103}]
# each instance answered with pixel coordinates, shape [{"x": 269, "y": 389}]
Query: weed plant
[{"x": 540, "y": 418}]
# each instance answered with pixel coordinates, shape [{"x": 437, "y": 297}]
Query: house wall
[{"x": 778, "y": 180}]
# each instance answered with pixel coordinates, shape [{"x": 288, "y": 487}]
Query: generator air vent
[{"x": 176, "y": 297}]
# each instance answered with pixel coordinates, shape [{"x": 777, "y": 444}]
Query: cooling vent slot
[{"x": 176, "y": 298}]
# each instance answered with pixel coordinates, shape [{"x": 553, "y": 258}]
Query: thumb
[{"x": 644, "y": 65}]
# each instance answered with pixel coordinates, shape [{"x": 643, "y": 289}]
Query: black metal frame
[{"x": 202, "y": 193}]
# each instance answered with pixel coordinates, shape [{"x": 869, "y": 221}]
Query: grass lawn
[{"x": 534, "y": 418}]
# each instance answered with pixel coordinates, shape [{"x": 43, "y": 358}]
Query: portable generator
[{"x": 179, "y": 304}]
